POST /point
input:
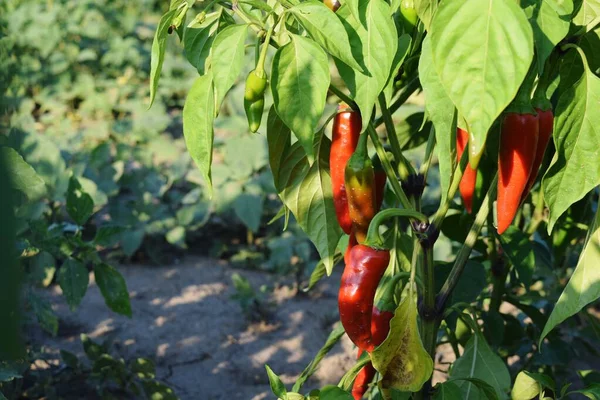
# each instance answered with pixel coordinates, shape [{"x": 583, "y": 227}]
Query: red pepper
[
  {"x": 518, "y": 143},
  {"x": 469, "y": 178},
  {"x": 351, "y": 243},
  {"x": 346, "y": 130},
  {"x": 361, "y": 276},
  {"x": 360, "y": 189},
  {"x": 546, "y": 124},
  {"x": 380, "y": 180}
]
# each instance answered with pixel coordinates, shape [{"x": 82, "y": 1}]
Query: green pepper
[{"x": 254, "y": 98}]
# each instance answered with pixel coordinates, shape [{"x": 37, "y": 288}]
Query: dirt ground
[{"x": 203, "y": 345}]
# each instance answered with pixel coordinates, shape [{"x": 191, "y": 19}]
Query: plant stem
[
  {"x": 389, "y": 170},
  {"x": 335, "y": 90},
  {"x": 260, "y": 65},
  {"x": 430, "y": 322},
  {"x": 538, "y": 214},
  {"x": 428, "y": 154},
  {"x": 410, "y": 88},
  {"x": 440, "y": 214},
  {"x": 392, "y": 135},
  {"x": 465, "y": 251},
  {"x": 240, "y": 13}
]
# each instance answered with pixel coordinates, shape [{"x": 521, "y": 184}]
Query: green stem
[
  {"x": 335, "y": 90},
  {"x": 465, "y": 251},
  {"x": 389, "y": 170},
  {"x": 538, "y": 214},
  {"x": 374, "y": 239},
  {"x": 411, "y": 87},
  {"x": 440, "y": 214},
  {"x": 240, "y": 13},
  {"x": 428, "y": 154},
  {"x": 260, "y": 65},
  {"x": 392, "y": 135},
  {"x": 498, "y": 288}
]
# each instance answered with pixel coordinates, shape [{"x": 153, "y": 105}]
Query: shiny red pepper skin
[
  {"x": 380, "y": 327},
  {"x": 518, "y": 144},
  {"x": 346, "y": 131},
  {"x": 546, "y": 125},
  {"x": 357, "y": 292},
  {"x": 351, "y": 243},
  {"x": 469, "y": 178}
]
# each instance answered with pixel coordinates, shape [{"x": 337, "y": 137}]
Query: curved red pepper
[
  {"x": 518, "y": 143},
  {"x": 351, "y": 243},
  {"x": 380, "y": 327},
  {"x": 469, "y": 178},
  {"x": 546, "y": 124},
  {"x": 346, "y": 131},
  {"x": 357, "y": 292}
]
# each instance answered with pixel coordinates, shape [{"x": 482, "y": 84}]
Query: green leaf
[
  {"x": 73, "y": 279},
  {"x": 155, "y": 390},
  {"x": 375, "y": 41},
  {"x": 482, "y": 50},
  {"x": 44, "y": 314},
  {"x": 525, "y": 388},
  {"x": 131, "y": 240},
  {"x": 92, "y": 349},
  {"x": 327, "y": 30},
  {"x": 143, "y": 368},
  {"x": 277, "y": 387},
  {"x": 80, "y": 205},
  {"x": 69, "y": 359},
  {"x": 159, "y": 45},
  {"x": 577, "y": 139},
  {"x": 404, "y": 46},
  {"x": 108, "y": 235},
  {"x": 550, "y": 23},
  {"x": 350, "y": 376},
  {"x": 228, "y": 58},
  {"x": 447, "y": 391},
  {"x": 279, "y": 140},
  {"x": 249, "y": 208},
  {"x": 299, "y": 82},
  {"x": 520, "y": 252},
  {"x": 22, "y": 175},
  {"x": 486, "y": 390},
  {"x": 306, "y": 189},
  {"x": 198, "y": 40},
  {"x": 7, "y": 373},
  {"x": 42, "y": 268},
  {"x": 331, "y": 392},
  {"x": 334, "y": 337},
  {"x": 480, "y": 362},
  {"x": 425, "y": 11},
  {"x": 113, "y": 288},
  {"x": 587, "y": 14},
  {"x": 584, "y": 285},
  {"x": 441, "y": 110},
  {"x": 401, "y": 359},
  {"x": 198, "y": 118},
  {"x": 320, "y": 271}
]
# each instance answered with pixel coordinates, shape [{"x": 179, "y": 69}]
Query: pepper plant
[{"x": 500, "y": 78}]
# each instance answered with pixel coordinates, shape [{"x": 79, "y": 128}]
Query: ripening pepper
[
  {"x": 360, "y": 279},
  {"x": 333, "y": 5},
  {"x": 360, "y": 189},
  {"x": 380, "y": 327},
  {"x": 380, "y": 180},
  {"x": 469, "y": 178},
  {"x": 254, "y": 98},
  {"x": 518, "y": 144},
  {"x": 345, "y": 133}
]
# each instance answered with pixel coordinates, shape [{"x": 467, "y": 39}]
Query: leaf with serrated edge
[{"x": 481, "y": 50}]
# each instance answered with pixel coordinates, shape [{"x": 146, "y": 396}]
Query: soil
[{"x": 203, "y": 344}]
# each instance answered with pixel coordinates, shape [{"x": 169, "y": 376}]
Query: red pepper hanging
[{"x": 469, "y": 178}]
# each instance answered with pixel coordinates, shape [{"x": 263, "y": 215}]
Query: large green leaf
[
  {"x": 159, "y": 45},
  {"x": 228, "y": 58},
  {"x": 73, "y": 279},
  {"x": 198, "y": 40},
  {"x": 441, "y": 111},
  {"x": 574, "y": 170},
  {"x": 198, "y": 117},
  {"x": 482, "y": 50},
  {"x": 401, "y": 359},
  {"x": 480, "y": 362},
  {"x": 584, "y": 285},
  {"x": 587, "y": 14},
  {"x": 447, "y": 391},
  {"x": 327, "y": 30},
  {"x": 113, "y": 288},
  {"x": 425, "y": 11},
  {"x": 300, "y": 79},
  {"x": 249, "y": 208},
  {"x": 79, "y": 204},
  {"x": 22, "y": 175},
  {"x": 525, "y": 387},
  {"x": 306, "y": 189},
  {"x": 374, "y": 40},
  {"x": 550, "y": 23}
]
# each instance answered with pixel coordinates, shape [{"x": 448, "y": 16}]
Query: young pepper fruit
[
  {"x": 254, "y": 98},
  {"x": 360, "y": 279},
  {"x": 346, "y": 131},
  {"x": 360, "y": 189},
  {"x": 469, "y": 178}
]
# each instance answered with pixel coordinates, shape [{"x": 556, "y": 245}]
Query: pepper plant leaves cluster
[{"x": 512, "y": 102}]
